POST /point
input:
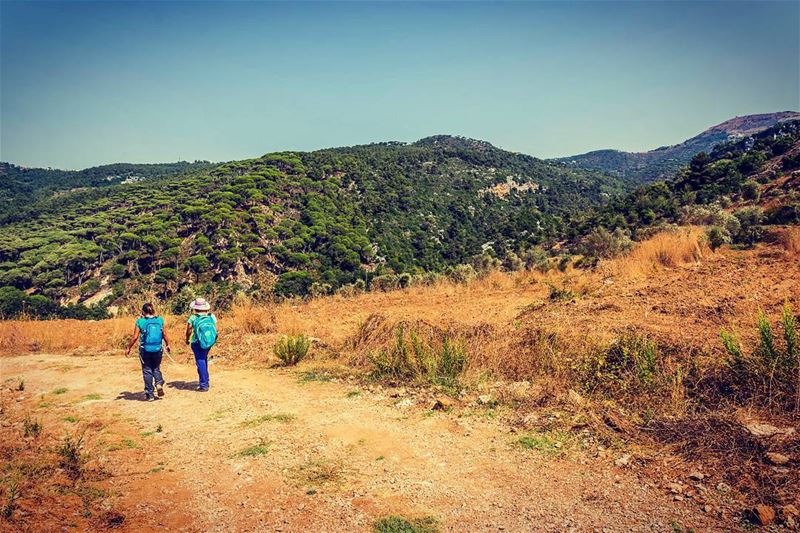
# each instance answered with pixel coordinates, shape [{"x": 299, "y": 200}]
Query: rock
[
  {"x": 763, "y": 515},
  {"x": 441, "y": 403},
  {"x": 723, "y": 487},
  {"x": 623, "y": 461},
  {"x": 758, "y": 429},
  {"x": 402, "y": 404},
  {"x": 485, "y": 399},
  {"x": 697, "y": 476},
  {"x": 777, "y": 458},
  {"x": 397, "y": 393},
  {"x": 675, "y": 488}
]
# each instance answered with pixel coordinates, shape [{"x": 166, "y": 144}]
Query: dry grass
[
  {"x": 668, "y": 249},
  {"x": 250, "y": 318},
  {"x": 479, "y": 311},
  {"x": 790, "y": 240}
]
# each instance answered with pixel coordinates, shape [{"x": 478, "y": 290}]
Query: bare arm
[
  {"x": 188, "y": 332},
  {"x": 166, "y": 339},
  {"x": 133, "y": 340}
]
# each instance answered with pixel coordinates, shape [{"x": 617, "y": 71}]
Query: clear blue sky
[{"x": 86, "y": 83}]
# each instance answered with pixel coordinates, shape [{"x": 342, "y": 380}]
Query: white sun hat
[{"x": 200, "y": 304}]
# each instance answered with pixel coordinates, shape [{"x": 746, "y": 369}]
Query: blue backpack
[
  {"x": 205, "y": 331},
  {"x": 152, "y": 335}
]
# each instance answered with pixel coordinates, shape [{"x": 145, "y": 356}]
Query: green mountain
[
  {"x": 21, "y": 187},
  {"x": 289, "y": 222},
  {"x": 739, "y": 188},
  {"x": 662, "y": 163}
]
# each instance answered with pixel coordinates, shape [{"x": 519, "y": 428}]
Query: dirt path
[{"x": 325, "y": 456}]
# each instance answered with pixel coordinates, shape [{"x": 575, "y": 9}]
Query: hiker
[
  {"x": 201, "y": 334},
  {"x": 149, "y": 331}
]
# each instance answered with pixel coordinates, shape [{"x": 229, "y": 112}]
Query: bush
[
  {"x": 536, "y": 258},
  {"x": 385, "y": 282},
  {"x": 604, "y": 244},
  {"x": 717, "y": 236},
  {"x": 462, "y": 273},
  {"x": 750, "y": 221},
  {"x": 293, "y": 284},
  {"x": 318, "y": 289},
  {"x": 398, "y": 524},
  {"x": 750, "y": 190},
  {"x": 630, "y": 363},
  {"x": 769, "y": 372},
  {"x": 412, "y": 358},
  {"x": 71, "y": 457},
  {"x": 291, "y": 349}
]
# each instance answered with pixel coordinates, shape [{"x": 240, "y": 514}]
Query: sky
[{"x": 88, "y": 83}]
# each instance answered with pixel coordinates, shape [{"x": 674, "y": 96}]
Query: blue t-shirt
[{"x": 142, "y": 322}]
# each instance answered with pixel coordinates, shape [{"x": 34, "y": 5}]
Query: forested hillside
[
  {"x": 663, "y": 162},
  {"x": 290, "y": 223},
  {"x": 21, "y": 187},
  {"x": 737, "y": 189}
]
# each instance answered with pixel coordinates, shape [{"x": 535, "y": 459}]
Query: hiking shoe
[
  {"x": 201, "y": 389},
  {"x": 160, "y": 389},
  {"x": 150, "y": 398}
]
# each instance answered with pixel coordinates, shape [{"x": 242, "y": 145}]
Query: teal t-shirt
[
  {"x": 193, "y": 318},
  {"x": 142, "y": 322}
]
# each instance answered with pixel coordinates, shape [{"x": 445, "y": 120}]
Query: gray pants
[{"x": 151, "y": 369}]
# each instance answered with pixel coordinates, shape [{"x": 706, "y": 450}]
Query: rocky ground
[{"x": 281, "y": 450}]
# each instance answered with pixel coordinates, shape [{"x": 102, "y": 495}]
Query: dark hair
[{"x": 148, "y": 309}]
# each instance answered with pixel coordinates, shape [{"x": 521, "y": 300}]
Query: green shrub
[
  {"x": 630, "y": 363},
  {"x": 462, "y": 273},
  {"x": 717, "y": 236},
  {"x": 750, "y": 190},
  {"x": 384, "y": 282},
  {"x": 771, "y": 372},
  {"x": 751, "y": 229},
  {"x": 412, "y": 358},
  {"x": 31, "y": 428},
  {"x": 605, "y": 244},
  {"x": 291, "y": 349},
  {"x": 71, "y": 457},
  {"x": 398, "y": 524}
]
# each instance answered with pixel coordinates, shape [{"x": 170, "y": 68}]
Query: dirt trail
[{"x": 336, "y": 458}]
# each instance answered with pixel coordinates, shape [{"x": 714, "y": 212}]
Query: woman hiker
[
  {"x": 201, "y": 334},
  {"x": 149, "y": 331}
]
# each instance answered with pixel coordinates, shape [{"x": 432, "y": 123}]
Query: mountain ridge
[{"x": 662, "y": 162}]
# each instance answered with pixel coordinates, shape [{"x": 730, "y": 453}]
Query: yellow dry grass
[
  {"x": 487, "y": 310},
  {"x": 668, "y": 249},
  {"x": 791, "y": 241}
]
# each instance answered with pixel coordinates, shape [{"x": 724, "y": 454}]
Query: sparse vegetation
[
  {"x": 262, "y": 448},
  {"x": 31, "y": 428},
  {"x": 399, "y": 524},
  {"x": 280, "y": 417},
  {"x": 549, "y": 443},
  {"x": 291, "y": 349},
  {"x": 411, "y": 357},
  {"x": 71, "y": 456},
  {"x": 770, "y": 372},
  {"x": 10, "y": 500}
]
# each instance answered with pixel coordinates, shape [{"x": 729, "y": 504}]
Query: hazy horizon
[{"x": 91, "y": 83}]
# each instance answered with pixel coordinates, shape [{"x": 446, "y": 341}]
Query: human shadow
[
  {"x": 182, "y": 385},
  {"x": 131, "y": 396}
]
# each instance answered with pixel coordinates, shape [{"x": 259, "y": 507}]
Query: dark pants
[
  {"x": 151, "y": 369},
  {"x": 201, "y": 359}
]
